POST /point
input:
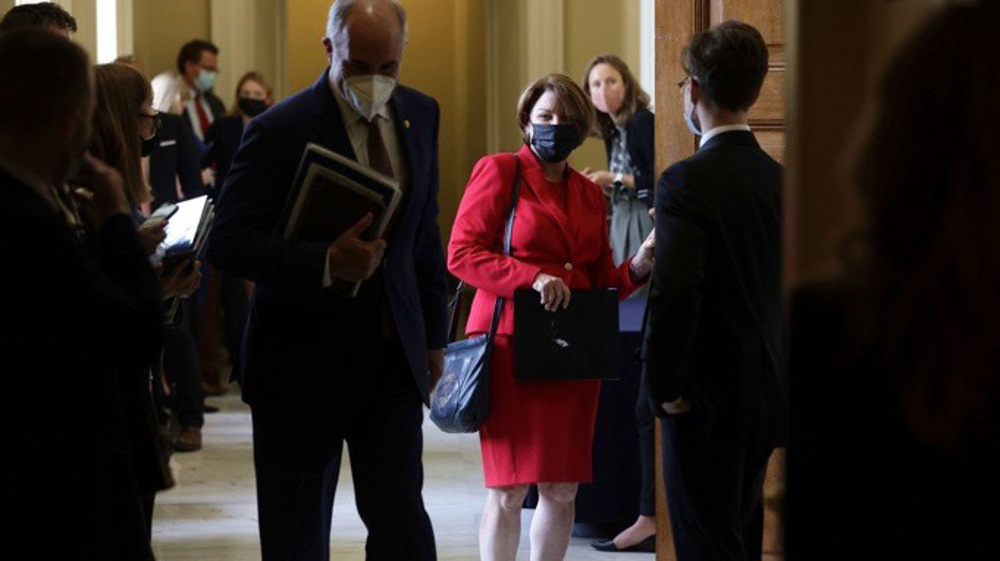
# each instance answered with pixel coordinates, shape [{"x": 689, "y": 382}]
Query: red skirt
[{"x": 536, "y": 431}]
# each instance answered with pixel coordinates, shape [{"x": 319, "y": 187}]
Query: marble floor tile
[{"x": 211, "y": 515}]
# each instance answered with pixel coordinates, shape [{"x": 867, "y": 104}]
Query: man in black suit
[
  {"x": 87, "y": 304},
  {"x": 319, "y": 369},
  {"x": 713, "y": 341},
  {"x": 198, "y": 66}
]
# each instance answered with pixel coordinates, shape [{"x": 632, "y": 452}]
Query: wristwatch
[{"x": 618, "y": 180}]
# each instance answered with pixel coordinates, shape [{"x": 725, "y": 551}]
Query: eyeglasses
[
  {"x": 684, "y": 82},
  {"x": 157, "y": 121}
]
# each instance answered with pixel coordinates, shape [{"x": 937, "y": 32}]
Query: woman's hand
[
  {"x": 152, "y": 232},
  {"x": 181, "y": 282},
  {"x": 604, "y": 178},
  {"x": 642, "y": 262},
  {"x": 553, "y": 290}
]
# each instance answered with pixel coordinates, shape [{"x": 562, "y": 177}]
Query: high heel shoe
[{"x": 647, "y": 545}]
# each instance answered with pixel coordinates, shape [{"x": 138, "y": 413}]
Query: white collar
[
  {"x": 347, "y": 110},
  {"x": 719, "y": 130}
]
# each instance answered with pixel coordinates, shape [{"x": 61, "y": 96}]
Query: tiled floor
[{"x": 211, "y": 514}]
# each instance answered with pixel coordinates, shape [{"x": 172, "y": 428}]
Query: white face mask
[{"x": 368, "y": 93}]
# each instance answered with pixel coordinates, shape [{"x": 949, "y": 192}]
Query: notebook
[{"x": 578, "y": 342}]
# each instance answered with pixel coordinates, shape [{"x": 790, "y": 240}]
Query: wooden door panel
[
  {"x": 772, "y": 142},
  {"x": 765, "y": 15},
  {"x": 769, "y": 111}
]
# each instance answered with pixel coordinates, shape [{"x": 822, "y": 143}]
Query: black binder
[
  {"x": 331, "y": 193},
  {"x": 578, "y": 342}
]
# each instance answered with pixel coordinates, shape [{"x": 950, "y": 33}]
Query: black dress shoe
[{"x": 647, "y": 545}]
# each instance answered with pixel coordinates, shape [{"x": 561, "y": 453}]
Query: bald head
[{"x": 365, "y": 37}]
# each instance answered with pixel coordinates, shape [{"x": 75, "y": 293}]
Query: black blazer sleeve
[
  {"x": 642, "y": 149},
  {"x": 188, "y": 166},
  {"x": 242, "y": 241},
  {"x": 675, "y": 295},
  {"x": 429, "y": 257}
]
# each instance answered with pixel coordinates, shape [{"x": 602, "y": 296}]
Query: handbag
[{"x": 461, "y": 399}]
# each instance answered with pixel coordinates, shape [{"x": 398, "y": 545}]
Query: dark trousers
[
  {"x": 714, "y": 492},
  {"x": 645, "y": 422},
  {"x": 297, "y": 453},
  {"x": 182, "y": 367}
]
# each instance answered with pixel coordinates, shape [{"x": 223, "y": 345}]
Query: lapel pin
[{"x": 406, "y": 123}]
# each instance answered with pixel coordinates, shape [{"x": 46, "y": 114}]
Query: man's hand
[
  {"x": 350, "y": 257},
  {"x": 435, "y": 366},
  {"x": 98, "y": 190},
  {"x": 678, "y": 406},
  {"x": 553, "y": 290}
]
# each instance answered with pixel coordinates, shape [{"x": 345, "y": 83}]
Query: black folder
[
  {"x": 329, "y": 194},
  {"x": 578, "y": 342}
]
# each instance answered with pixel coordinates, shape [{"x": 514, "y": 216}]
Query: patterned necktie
[{"x": 378, "y": 156}]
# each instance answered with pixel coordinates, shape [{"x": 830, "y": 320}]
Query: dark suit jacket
[
  {"x": 641, "y": 142},
  {"x": 176, "y": 155},
  {"x": 299, "y": 335},
  {"x": 218, "y": 108},
  {"x": 83, "y": 320},
  {"x": 223, "y": 140},
  {"x": 714, "y": 327}
]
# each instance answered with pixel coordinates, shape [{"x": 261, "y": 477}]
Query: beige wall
[
  {"x": 160, "y": 28},
  {"x": 593, "y": 27}
]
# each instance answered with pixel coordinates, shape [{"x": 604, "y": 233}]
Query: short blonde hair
[{"x": 575, "y": 104}]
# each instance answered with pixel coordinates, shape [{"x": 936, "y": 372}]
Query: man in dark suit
[
  {"x": 713, "y": 341},
  {"x": 175, "y": 159},
  {"x": 319, "y": 369},
  {"x": 87, "y": 304},
  {"x": 198, "y": 65}
]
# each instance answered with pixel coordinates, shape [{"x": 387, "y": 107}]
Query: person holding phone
[{"x": 84, "y": 308}]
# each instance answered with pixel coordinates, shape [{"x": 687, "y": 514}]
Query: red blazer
[{"x": 570, "y": 243}]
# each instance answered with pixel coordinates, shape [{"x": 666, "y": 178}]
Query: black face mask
[
  {"x": 149, "y": 144},
  {"x": 553, "y": 143},
  {"x": 252, "y": 107}
]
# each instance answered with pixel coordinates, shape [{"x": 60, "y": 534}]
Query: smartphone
[{"x": 165, "y": 211}]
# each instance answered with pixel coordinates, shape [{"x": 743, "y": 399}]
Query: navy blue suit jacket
[{"x": 301, "y": 340}]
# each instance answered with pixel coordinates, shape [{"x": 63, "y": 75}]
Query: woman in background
[
  {"x": 124, "y": 130},
  {"x": 625, "y": 124},
  {"x": 253, "y": 97},
  {"x": 538, "y": 432}
]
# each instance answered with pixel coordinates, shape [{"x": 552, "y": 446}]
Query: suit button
[{"x": 568, "y": 266}]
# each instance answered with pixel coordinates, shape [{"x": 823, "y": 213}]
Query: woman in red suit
[{"x": 538, "y": 432}]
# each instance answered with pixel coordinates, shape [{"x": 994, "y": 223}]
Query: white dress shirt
[
  {"x": 719, "y": 130},
  {"x": 357, "y": 131}
]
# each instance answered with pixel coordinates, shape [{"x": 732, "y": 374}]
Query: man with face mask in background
[
  {"x": 713, "y": 338},
  {"x": 319, "y": 369},
  {"x": 198, "y": 65},
  {"x": 65, "y": 455}
]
